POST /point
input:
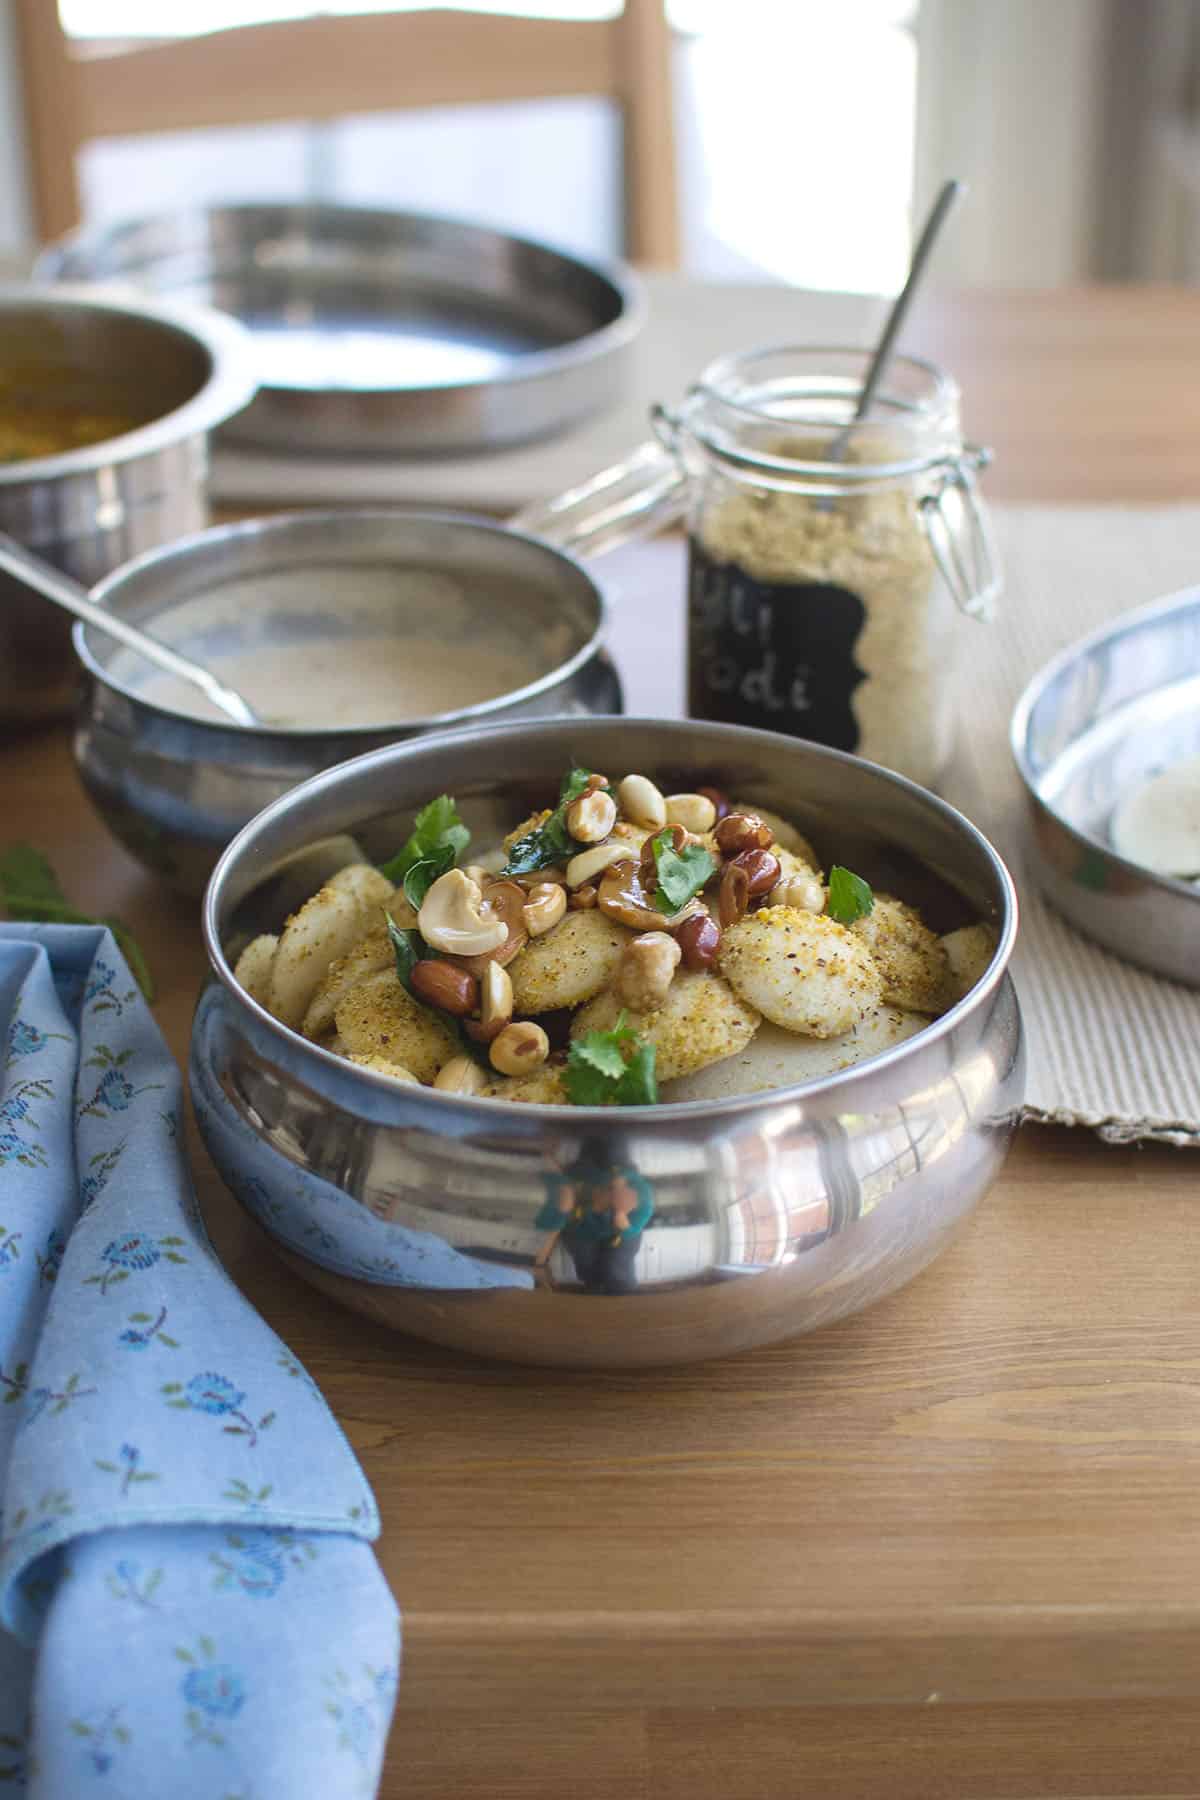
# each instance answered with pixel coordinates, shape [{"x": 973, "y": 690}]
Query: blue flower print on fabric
[
  {"x": 101, "y": 992},
  {"x": 10, "y": 1247},
  {"x": 105, "y": 1737},
  {"x": 114, "y": 1091},
  {"x": 213, "y": 1692},
  {"x": 358, "y": 1706},
  {"x": 17, "y": 1109},
  {"x": 127, "y": 1582},
  {"x": 132, "y": 1255},
  {"x": 215, "y": 1394},
  {"x": 256, "y": 1561},
  {"x": 49, "y": 1259},
  {"x": 127, "y": 1467},
  {"x": 142, "y": 1331},
  {"x": 25, "y": 1039}
]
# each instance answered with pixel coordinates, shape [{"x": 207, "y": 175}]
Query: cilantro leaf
[
  {"x": 681, "y": 873},
  {"x": 30, "y": 889},
  {"x": 436, "y": 830},
  {"x": 611, "y": 1068},
  {"x": 849, "y": 896},
  {"x": 409, "y": 948},
  {"x": 550, "y": 842}
]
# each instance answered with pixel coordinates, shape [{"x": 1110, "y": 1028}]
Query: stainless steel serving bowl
[
  {"x": 89, "y": 510},
  {"x": 773, "y": 1213},
  {"x": 381, "y": 332},
  {"x": 175, "y": 788},
  {"x": 1104, "y": 716}
]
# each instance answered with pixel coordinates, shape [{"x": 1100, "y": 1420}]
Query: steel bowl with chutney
[
  {"x": 774, "y": 1212},
  {"x": 346, "y": 630},
  {"x": 105, "y": 410}
]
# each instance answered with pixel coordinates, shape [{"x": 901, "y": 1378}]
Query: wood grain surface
[{"x": 949, "y": 1548}]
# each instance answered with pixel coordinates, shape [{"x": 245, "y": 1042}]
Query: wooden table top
[{"x": 984, "y": 1491}]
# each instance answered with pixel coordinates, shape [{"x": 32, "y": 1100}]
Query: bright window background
[{"x": 795, "y": 126}]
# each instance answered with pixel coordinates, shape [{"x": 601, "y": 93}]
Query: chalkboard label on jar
[{"x": 779, "y": 655}]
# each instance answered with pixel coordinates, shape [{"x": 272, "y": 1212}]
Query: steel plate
[
  {"x": 1106, "y": 715},
  {"x": 380, "y": 332}
]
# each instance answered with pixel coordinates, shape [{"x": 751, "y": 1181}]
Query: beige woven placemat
[{"x": 1109, "y": 1047}]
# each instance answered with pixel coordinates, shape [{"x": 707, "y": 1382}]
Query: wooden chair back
[{"x": 334, "y": 67}]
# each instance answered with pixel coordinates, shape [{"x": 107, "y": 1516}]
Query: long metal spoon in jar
[
  {"x": 951, "y": 193},
  {"x": 53, "y": 585}
]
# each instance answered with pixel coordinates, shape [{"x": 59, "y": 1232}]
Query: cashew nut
[
  {"x": 454, "y": 919},
  {"x": 461, "y": 1075},
  {"x": 647, "y": 969},
  {"x": 591, "y": 817},
  {"x": 545, "y": 906},
  {"x": 641, "y": 801},
  {"x": 695, "y": 812},
  {"x": 589, "y": 863}
]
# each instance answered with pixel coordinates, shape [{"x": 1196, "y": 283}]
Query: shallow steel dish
[
  {"x": 90, "y": 509},
  {"x": 774, "y": 1213},
  {"x": 383, "y": 332},
  {"x": 1102, "y": 717},
  {"x": 174, "y": 789}
]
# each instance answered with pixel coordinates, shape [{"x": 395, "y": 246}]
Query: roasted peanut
[
  {"x": 446, "y": 986},
  {"x": 624, "y": 897},
  {"x": 695, "y": 812},
  {"x": 585, "y": 866},
  {"x": 720, "y": 801},
  {"x": 641, "y": 802},
  {"x": 520, "y": 1047},
  {"x": 742, "y": 831},
  {"x": 762, "y": 870},
  {"x": 461, "y": 1075},
  {"x": 545, "y": 906},
  {"x": 734, "y": 895},
  {"x": 591, "y": 817},
  {"x": 647, "y": 967},
  {"x": 699, "y": 939}
]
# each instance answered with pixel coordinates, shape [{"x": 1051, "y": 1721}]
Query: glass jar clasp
[{"x": 960, "y": 534}]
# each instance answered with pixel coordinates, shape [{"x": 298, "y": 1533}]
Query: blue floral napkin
[{"x": 188, "y": 1601}]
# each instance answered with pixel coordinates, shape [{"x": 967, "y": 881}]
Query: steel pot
[{"x": 91, "y": 509}]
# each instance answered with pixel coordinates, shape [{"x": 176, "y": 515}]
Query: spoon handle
[
  {"x": 53, "y": 585},
  {"x": 952, "y": 192}
]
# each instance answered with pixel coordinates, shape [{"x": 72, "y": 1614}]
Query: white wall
[{"x": 16, "y": 230}]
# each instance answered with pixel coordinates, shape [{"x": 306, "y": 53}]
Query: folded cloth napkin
[{"x": 188, "y": 1601}]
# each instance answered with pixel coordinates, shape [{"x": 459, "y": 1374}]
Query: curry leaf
[
  {"x": 408, "y": 949},
  {"x": 420, "y": 878},
  {"x": 437, "y": 829}
]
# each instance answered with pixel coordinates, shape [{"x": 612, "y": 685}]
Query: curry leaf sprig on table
[
  {"x": 550, "y": 842},
  {"x": 849, "y": 896},
  {"x": 681, "y": 873},
  {"x": 30, "y": 889},
  {"x": 611, "y": 1068},
  {"x": 437, "y": 840}
]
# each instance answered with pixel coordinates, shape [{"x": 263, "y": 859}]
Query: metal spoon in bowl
[
  {"x": 952, "y": 192},
  {"x": 53, "y": 585}
]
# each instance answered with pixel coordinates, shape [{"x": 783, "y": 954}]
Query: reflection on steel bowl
[
  {"x": 752, "y": 1217},
  {"x": 75, "y": 368},
  {"x": 175, "y": 787}
]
